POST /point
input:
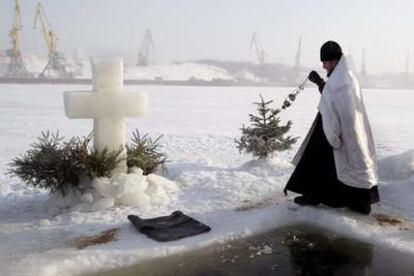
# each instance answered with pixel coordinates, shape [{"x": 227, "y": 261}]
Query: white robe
[{"x": 346, "y": 127}]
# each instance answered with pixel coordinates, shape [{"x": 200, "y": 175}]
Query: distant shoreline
[
  {"x": 146, "y": 82},
  {"x": 217, "y": 83}
]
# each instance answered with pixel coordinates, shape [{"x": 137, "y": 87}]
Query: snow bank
[
  {"x": 132, "y": 189},
  {"x": 246, "y": 75},
  {"x": 179, "y": 72},
  {"x": 35, "y": 64},
  {"x": 80, "y": 68},
  {"x": 170, "y": 72},
  {"x": 397, "y": 167}
]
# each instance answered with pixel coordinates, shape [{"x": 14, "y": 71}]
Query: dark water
[{"x": 295, "y": 250}]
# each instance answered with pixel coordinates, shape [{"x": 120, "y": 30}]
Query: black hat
[{"x": 330, "y": 50}]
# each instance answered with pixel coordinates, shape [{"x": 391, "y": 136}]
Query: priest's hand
[{"x": 315, "y": 78}]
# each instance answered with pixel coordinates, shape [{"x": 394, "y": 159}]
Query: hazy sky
[{"x": 222, "y": 29}]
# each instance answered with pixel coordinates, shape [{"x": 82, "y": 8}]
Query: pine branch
[
  {"x": 144, "y": 153},
  {"x": 59, "y": 166}
]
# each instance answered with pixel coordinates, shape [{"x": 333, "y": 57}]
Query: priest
[{"x": 336, "y": 163}]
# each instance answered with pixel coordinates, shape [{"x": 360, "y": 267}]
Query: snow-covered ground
[{"x": 234, "y": 195}]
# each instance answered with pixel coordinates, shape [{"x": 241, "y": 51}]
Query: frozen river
[
  {"x": 28, "y": 109},
  {"x": 199, "y": 125}
]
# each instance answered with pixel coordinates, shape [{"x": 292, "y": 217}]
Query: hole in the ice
[{"x": 293, "y": 250}]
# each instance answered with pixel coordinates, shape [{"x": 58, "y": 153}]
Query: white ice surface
[{"x": 199, "y": 126}]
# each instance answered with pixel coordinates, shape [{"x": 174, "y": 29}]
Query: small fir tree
[
  {"x": 59, "y": 166},
  {"x": 265, "y": 135}
]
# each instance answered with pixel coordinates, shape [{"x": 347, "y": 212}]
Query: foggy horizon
[{"x": 191, "y": 30}]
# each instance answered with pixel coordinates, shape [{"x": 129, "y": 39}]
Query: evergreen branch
[
  {"x": 58, "y": 166},
  {"x": 143, "y": 153}
]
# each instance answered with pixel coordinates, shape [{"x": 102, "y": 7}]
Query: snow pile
[
  {"x": 262, "y": 166},
  {"x": 80, "y": 68},
  {"x": 397, "y": 167},
  {"x": 178, "y": 72},
  {"x": 170, "y": 72},
  {"x": 246, "y": 75},
  {"x": 35, "y": 64},
  {"x": 4, "y": 189},
  {"x": 4, "y": 64},
  {"x": 133, "y": 189}
]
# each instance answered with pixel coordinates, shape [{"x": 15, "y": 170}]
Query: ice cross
[{"x": 107, "y": 104}]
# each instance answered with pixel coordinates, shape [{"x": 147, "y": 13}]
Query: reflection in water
[
  {"x": 318, "y": 253},
  {"x": 295, "y": 250}
]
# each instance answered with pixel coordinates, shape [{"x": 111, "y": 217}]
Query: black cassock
[{"x": 315, "y": 175}]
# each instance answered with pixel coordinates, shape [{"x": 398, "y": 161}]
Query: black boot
[
  {"x": 305, "y": 200},
  {"x": 362, "y": 208}
]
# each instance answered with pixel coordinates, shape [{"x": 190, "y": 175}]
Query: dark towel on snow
[{"x": 169, "y": 228}]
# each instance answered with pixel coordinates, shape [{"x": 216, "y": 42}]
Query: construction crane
[
  {"x": 56, "y": 64},
  {"x": 17, "y": 68},
  {"x": 144, "y": 51},
  {"x": 257, "y": 46}
]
